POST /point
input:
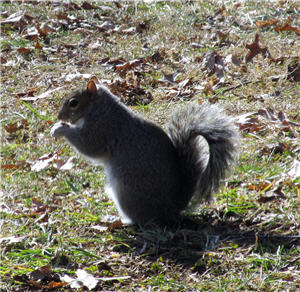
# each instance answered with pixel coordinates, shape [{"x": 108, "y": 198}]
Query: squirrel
[{"x": 152, "y": 175}]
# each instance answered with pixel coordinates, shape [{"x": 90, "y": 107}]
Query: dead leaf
[
  {"x": 37, "y": 44},
  {"x": 13, "y": 166},
  {"x": 266, "y": 199},
  {"x": 24, "y": 51},
  {"x": 87, "y": 6},
  {"x": 142, "y": 26},
  {"x": 99, "y": 228},
  {"x": 158, "y": 56},
  {"x": 264, "y": 23},
  {"x": 18, "y": 21},
  {"x": 294, "y": 72},
  {"x": 131, "y": 94},
  {"x": 83, "y": 279},
  {"x": 214, "y": 63},
  {"x": 115, "y": 225},
  {"x": 52, "y": 160},
  {"x": 106, "y": 25},
  {"x": 31, "y": 33},
  {"x": 41, "y": 273},
  {"x": 118, "y": 4},
  {"x": 184, "y": 83},
  {"x": 287, "y": 27},
  {"x": 270, "y": 114},
  {"x": 259, "y": 187},
  {"x": 43, "y": 95},
  {"x": 12, "y": 239},
  {"x": 255, "y": 49},
  {"x": 44, "y": 274},
  {"x": 249, "y": 123},
  {"x": 29, "y": 93},
  {"x": 12, "y": 128},
  {"x": 281, "y": 147},
  {"x": 62, "y": 165},
  {"x": 55, "y": 285},
  {"x": 222, "y": 36},
  {"x": 294, "y": 172},
  {"x": 44, "y": 29}
]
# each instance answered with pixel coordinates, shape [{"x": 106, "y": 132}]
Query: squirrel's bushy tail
[{"x": 203, "y": 164}]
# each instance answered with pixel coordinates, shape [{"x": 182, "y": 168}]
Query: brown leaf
[
  {"x": 115, "y": 225},
  {"x": 118, "y": 4},
  {"x": 41, "y": 273},
  {"x": 18, "y": 21},
  {"x": 54, "y": 285},
  {"x": 287, "y": 27},
  {"x": 31, "y": 33},
  {"x": 72, "y": 6},
  {"x": 24, "y": 51},
  {"x": 255, "y": 49},
  {"x": 208, "y": 88},
  {"x": 268, "y": 113},
  {"x": 14, "y": 166},
  {"x": 44, "y": 29},
  {"x": 269, "y": 22},
  {"x": 249, "y": 123},
  {"x": 158, "y": 56},
  {"x": 87, "y": 6},
  {"x": 53, "y": 160},
  {"x": 106, "y": 25},
  {"x": 142, "y": 26},
  {"x": 123, "y": 67},
  {"x": 258, "y": 187},
  {"x": 266, "y": 199},
  {"x": 29, "y": 93},
  {"x": 62, "y": 16},
  {"x": 12, "y": 128},
  {"x": 274, "y": 149},
  {"x": 42, "y": 95},
  {"x": 37, "y": 44},
  {"x": 294, "y": 72},
  {"x": 222, "y": 35},
  {"x": 214, "y": 63}
]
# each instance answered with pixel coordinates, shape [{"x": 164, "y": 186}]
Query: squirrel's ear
[
  {"x": 95, "y": 79},
  {"x": 91, "y": 88}
]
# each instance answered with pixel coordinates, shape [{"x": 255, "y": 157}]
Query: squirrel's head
[{"x": 74, "y": 107}]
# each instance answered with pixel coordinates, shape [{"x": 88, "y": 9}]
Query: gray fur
[
  {"x": 151, "y": 175},
  {"x": 204, "y": 170}
]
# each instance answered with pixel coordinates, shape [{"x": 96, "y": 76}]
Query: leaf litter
[{"x": 220, "y": 53}]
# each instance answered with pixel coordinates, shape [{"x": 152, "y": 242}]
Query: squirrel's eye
[{"x": 73, "y": 103}]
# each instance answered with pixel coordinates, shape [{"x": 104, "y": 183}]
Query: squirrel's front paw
[{"x": 58, "y": 129}]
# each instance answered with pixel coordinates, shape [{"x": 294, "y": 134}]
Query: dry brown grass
[{"x": 248, "y": 239}]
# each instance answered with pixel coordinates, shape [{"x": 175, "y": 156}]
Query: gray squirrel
[{"x": 151, "y": 174}]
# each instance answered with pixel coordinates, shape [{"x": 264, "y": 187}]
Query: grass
[{"x": 54, "y": 222}]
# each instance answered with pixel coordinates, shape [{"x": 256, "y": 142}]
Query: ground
[{"x": 55, "y": 216}]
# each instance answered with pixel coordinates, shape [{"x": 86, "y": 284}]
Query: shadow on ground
[{"x": 187, "y": 243}]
